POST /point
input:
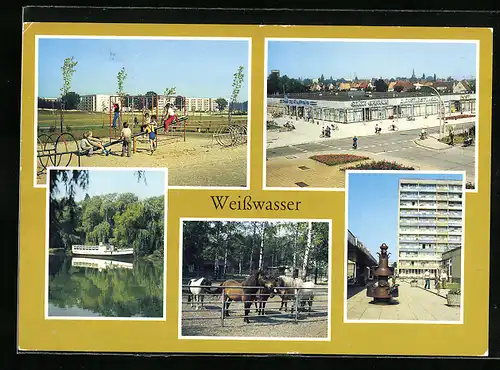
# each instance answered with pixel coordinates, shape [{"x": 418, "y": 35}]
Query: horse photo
[{"x": 197, "y": 289}]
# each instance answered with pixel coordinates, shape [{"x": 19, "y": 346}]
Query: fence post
[
  {"x": 296, "y": 304},
  {"x": 222, "y": 310}
]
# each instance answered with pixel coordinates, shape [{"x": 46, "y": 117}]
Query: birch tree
[{"x": 307, "y": 250}]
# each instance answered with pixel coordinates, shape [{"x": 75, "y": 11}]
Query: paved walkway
[
  {"x": 415, "y": 304},
  {"x": 308, "y": 131}
]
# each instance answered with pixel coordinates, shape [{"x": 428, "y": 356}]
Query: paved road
[
  {"x": 415, "y": 304},
  {"x": 394, "y": 145}
]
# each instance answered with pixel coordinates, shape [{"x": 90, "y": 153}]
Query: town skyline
[
  {"x": 195, "y": 67},
  {"x": 369, "y": 60}
]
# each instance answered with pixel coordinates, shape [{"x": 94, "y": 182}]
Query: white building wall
[{"x": 430, "y": 223}]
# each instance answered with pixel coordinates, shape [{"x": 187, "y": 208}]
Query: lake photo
[{"x": 106, "y": 243}]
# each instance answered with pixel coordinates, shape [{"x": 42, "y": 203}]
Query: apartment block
[
  {"x": 94, "y": 103},
  {"x": 201, "y": 104},
  {"x": 430, "y": 224}
]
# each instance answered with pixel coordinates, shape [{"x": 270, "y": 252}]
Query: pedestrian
[
  {"x": 355, "y": 142},
  {"x": 116, "y": 114},
  {"x": 451, "y": 137},
  {"x": 427, "y": 277},
  {"x": 444, "y": 279},
  {"x": 126, "y": 137}
]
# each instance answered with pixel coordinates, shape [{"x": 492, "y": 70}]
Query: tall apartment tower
[{"x": 429, "y": 224}]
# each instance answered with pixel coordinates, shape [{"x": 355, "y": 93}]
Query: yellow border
[{"x": 469, "y": 339}]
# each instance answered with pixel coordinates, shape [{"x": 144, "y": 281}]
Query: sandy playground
[{"x": 198, "y": 161}]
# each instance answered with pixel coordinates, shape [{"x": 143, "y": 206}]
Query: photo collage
[{"x": 164, "y": 162}]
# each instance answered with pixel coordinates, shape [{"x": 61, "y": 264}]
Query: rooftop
[{"x": 356, "y": 95}]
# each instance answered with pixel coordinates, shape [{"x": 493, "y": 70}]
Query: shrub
[
  {"x": 455, "y": 291},
  {"x": 378, "y": 165},
  {"x": 335, "y": 159}
]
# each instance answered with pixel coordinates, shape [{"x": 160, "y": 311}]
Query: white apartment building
[
  {"x": 94, "y": 103},
  {"x": 201, "y": 104},
  {"x": 430, "y": 223}
]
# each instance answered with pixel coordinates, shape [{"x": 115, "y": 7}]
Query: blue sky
[
  {"x": 373, "y": 207},
  {"x": 197, "y": 68},
  {"x": 310, "y": 59},
  {"x": 121, "y": 181}
]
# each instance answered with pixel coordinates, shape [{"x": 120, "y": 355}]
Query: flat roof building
[{"x": 359, "y": 106}]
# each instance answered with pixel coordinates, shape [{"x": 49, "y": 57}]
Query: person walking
[
  {"x": 427, "y": 277},
  {"x": 444, "y": 279}
]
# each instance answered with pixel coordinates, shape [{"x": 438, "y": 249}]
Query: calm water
[{"x": 86, "y": 287}]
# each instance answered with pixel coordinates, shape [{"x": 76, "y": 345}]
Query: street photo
[
  {"x": 404, "y": 246},
  {"x": 368, "y": 105},
  {"x": 157, "y": 102},
  {"x": 255, "y": 279},
  {"x": 106, "y": 244}
]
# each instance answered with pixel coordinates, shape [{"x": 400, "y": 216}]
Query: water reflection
[{"x": 81, "y": 286}]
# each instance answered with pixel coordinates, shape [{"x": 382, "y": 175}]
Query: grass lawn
[{"x": 78, "y": 122}]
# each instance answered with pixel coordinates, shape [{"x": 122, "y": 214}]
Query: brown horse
[
  {"x": 262, "y": 296},
  {"x": 248, "y": 292}
]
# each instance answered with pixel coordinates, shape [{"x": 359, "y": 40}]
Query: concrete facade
[
  {"x": 452, "y": 264},
  {"x": 430, "y": 223}
]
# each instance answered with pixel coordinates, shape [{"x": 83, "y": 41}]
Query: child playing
[
  {"x": 154, "y": 128},
  {"x": 126, "y": 137},
  {"x": 145, "y": 122},
  {"x": 171, "y": 116},
  {"x": 116, "y": 114},
  {"x": 88, "y": 143},
  {"x": 152, "y": 137}
]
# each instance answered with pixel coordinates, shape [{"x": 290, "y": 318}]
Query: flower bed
[
  {"x": 378, "y": 165},
  {"x": 335, "y": 159}
]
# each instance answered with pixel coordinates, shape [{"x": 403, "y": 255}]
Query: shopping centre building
[{"x": 350, "y": 107}]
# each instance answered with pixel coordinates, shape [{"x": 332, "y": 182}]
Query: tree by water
[{"x": 119, "y": 219}]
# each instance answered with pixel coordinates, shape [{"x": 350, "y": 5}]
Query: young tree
[
  {"x": 68, "y": 68},
  {"x": 121, "y": 77},
  {"x": 238, "y": 77},
  {"x": 169, "y": 91}
]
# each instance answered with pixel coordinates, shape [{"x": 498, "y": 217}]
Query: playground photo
[
  {"x": 255, "y": 279},
  {"x": 99, "y": 106}
]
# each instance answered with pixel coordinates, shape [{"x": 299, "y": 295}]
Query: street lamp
[{"x": 418, "y": 86}]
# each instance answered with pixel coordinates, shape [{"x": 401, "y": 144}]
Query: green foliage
[
  {"x": 68, "y": 68},
  {"x": 221, "y": 103},
  {"x": 122, "y": 75},
  {"x": 120, "y": 219},
  {"x": 238, "y": 77},
  {"x": 239, "y": 244},
  {"x": 71, "y": 100}
]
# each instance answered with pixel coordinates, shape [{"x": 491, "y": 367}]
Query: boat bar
[{"x": 362, "y": 108}]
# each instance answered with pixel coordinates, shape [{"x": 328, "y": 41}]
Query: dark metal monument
[{"x": 382, "y": 292}]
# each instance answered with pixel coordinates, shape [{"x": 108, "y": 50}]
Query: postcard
[{"x": 250, "y": 189}]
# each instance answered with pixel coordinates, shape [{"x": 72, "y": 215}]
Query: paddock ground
[
  {"x": 207, "y": 321},
  {"x": 198, "y": 161}
]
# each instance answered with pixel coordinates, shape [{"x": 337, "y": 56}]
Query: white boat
[
  {"x": 100, "y": 264},
  {"x": 101, "y": 250}
]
